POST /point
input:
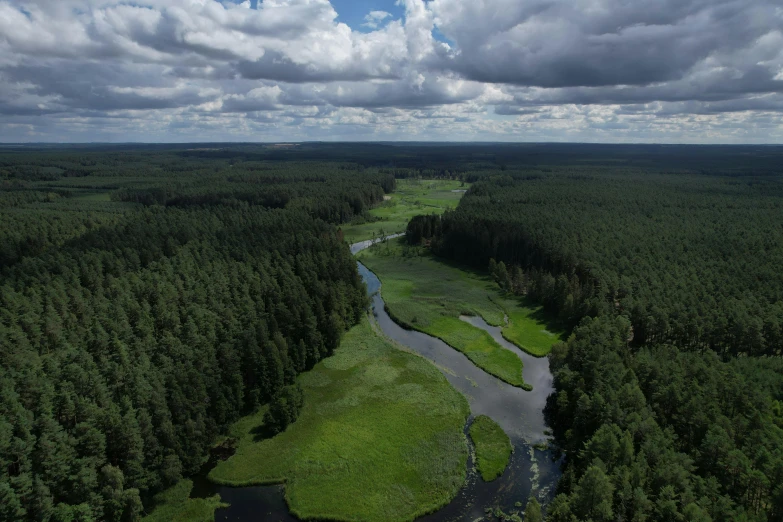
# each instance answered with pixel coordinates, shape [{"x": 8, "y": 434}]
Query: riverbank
[
  {"x": 531, "y": 470},
  {"x": 175, "y": 505},
  {"x": 430, "y": 296}
]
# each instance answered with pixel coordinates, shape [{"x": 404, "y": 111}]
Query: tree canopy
[
  {"x": 667, "y": 395},
  {"x": 149, "y": 301}
]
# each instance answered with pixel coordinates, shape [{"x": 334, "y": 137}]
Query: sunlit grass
[
  {"x": 411, "y": 198},
  {"x": 526, "y": 329},
  {"x": 380, "y": 438}
]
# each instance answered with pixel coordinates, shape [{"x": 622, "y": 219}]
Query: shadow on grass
[
  {"x": 262, "y": 432},
  {"x": 422, "y": 252},
  {"x": 551, "y": 321}
]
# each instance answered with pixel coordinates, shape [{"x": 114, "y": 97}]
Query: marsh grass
[
  {"x": 411, "y": 198},
  {"x": 427, "y": 294},
  {"x": 380, "y": 438},
  {"x": 174, "y": 505},
  {"x": 493, "y": 447},
  {"x": 424, "y": 294}
]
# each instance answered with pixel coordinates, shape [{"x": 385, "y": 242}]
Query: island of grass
[
  {"x": 380, "y": 437},
  {"x": 174, "y": 505},
  {"x": 428, "y": 295},
  {"x": 493, "y": 447},
  {"x": 411, "y": 198}
]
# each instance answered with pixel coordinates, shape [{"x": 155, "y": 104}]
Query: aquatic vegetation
[{"x": 493, "y": 447}]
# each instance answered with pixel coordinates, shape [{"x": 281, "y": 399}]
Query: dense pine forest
[
  {"x": 147, "y": 300},
  {"x": 668, "y": 393},
  {"x": 152, "y": 295}
]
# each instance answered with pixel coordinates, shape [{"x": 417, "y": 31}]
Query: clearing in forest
[
  {"x": 411, "y": 198},
  {"x": 527, "y": 327}
]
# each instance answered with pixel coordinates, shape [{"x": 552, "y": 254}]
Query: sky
[{"x": 671, "y": 71}]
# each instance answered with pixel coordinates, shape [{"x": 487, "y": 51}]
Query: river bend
[{"x": 518, "y": 412}]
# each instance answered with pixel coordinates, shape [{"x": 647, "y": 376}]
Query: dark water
[
  {"x": 263, "y": 503},
  {"x": 518, "y": 412}
]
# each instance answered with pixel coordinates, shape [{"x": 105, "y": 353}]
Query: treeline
[
  {"x": 689, "y": 260},
  {"x": 132, "y": 335},
  {"x": 335, "y": 200},
  {"x": 670, "y": 282},
  {"x": 661, "y": 434}
]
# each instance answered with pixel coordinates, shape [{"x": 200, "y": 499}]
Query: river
[{"x": 518, "y": 412}]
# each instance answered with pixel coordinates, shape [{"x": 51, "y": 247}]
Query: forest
[
  {"x": 667, "y": 402},
  {"x": 150, "y": 296},
  {"x": 147, "y": 300}
]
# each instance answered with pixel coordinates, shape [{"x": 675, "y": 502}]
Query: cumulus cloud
[
  {"x": 447, "y": 69},
  {"x": 566, "y": 43},
  {"x": 259, "y": 99}
]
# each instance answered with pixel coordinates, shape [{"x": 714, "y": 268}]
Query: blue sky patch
[{"x": 353, "y": 13}]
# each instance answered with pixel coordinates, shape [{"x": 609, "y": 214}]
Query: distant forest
[
  {"x": 151, "y": 295},
  {"x": 669, "y": 393}
]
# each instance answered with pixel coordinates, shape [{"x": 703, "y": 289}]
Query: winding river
[{"x": 518, "y": 412}]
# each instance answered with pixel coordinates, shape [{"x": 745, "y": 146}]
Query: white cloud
[
  {"x": 374, "y": 18},
  {"x": 512, "y": 69}
]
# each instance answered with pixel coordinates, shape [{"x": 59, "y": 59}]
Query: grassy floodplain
[
  {"x": 380, "y": 438},
  {"x": 493, "y": 447},
  {"x": 428, "y": 295},
  {"x": 412, "y": 197},
  {"x": 174, "y": 505}
]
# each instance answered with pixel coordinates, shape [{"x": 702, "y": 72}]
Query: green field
[
  {"x": 173, "y": 505},
  {"x": 411, "y": 198},
  {"x": 493, "y": 447},
  {"x": 428, "y": 295},
  {"x": 379, "y": 438}
]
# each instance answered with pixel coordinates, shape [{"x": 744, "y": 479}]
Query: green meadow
[
  {"x": 411, "y": 198},
  {"x": 379, "y": 438},
  {"x": 428, "y": 295},
  {"x": 526, "y": 328},
  {"x": 174, "y": 505},
  {"x": 493, "y": 447}
]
